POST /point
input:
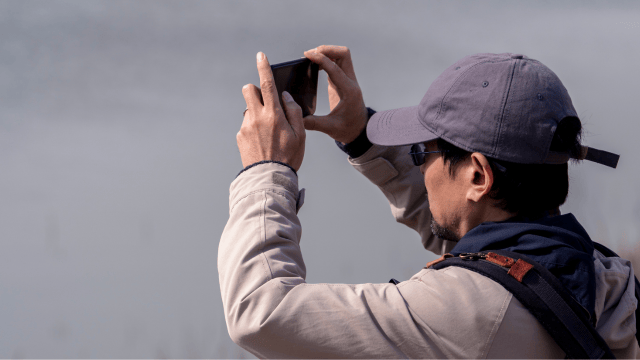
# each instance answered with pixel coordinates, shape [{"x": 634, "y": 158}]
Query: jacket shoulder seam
[
  {"x": 496, "y": 324},
  {"x": 263, "y": 236}
]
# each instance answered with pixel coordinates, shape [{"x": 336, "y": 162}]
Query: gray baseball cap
[{"x": 504, "y": 106}]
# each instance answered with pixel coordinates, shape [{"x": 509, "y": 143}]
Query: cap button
[{"x": 516, "y": 56}]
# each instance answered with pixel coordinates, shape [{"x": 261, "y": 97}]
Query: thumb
[
  {"x": 293, "y": 112},
  {"x": 317, "y": 123}
]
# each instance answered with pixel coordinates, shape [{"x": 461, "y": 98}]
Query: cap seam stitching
[
  {"x": 505, "y": 111},
  {"x": 547, "y": 146}
]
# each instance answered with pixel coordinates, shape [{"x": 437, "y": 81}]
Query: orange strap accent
[
  {"x": 517, "y": 269},
  {"x": 500, "y": 260},
  {"x": 442, "y": 258},
  {"x": 520, "y": 269}
]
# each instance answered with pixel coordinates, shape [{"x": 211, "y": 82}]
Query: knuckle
[
  {"x": 273, "y": 111},
  {"x": 271, "y": 119},
  {"x": 250, "y": 89},
  {"x": 267, "y": 85}
]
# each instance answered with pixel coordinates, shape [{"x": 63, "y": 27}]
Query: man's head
[
  {"x": 479, "y": 188},
  {"x": 506, "y": 128},
  {"x": 458, "y": 189}
]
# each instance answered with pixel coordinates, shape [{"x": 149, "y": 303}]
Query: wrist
[
  {"x": 361, "y": 143},
  {"x": 361, "y": 126}
]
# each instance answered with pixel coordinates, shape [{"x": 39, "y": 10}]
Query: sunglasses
[{"x": 418, "y": 155}]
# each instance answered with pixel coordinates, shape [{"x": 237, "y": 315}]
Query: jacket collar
[{"x": 558, "y": 243}]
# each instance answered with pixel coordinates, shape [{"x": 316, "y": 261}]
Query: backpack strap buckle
[{"x": 473, "y": 256}]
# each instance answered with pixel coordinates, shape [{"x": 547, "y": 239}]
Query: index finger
[
  {"x": 342, "y": 57},
  {"x": 267, "y": 84},
  {"x": 336, "y": 74}
]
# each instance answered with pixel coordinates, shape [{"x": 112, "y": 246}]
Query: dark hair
[{"x": 527, "y": 189}]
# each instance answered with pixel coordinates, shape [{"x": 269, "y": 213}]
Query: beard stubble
[{"x": 443, "y": 232}]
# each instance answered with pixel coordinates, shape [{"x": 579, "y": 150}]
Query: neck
[{"x": 484, "y": 214}]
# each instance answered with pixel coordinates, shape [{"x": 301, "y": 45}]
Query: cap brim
[{"x": 398, "y": 127}]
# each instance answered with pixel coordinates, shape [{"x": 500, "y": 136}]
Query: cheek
[
  {"x": 442, "y": 196},
  {"x": 434, "y": 195}
]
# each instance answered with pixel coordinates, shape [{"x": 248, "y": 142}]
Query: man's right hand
[{"x": 348, "y": 116}]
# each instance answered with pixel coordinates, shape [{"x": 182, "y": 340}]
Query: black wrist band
[
  {"x": 361, "y": 144},
  {"x": 266, "y": 162}
]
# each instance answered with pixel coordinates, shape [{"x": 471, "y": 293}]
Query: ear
[{"x": 480, "y": 179}]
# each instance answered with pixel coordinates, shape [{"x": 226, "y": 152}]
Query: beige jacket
[{"x": 452, "y": 313}]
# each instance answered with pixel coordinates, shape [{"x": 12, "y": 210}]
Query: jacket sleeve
[
  {"x": 391, "y": 169},
  {"x": 269, "y": 308}
]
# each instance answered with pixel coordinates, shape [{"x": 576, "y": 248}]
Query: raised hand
[
  {"x": 266, "y": 132},
  {"x": 348, "y": 116}
]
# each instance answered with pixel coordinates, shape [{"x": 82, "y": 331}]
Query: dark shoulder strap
[
  {"x": 542, "y": 294},
  {"x": 609, "y": 253}
]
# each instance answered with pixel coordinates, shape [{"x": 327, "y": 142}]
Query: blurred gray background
[{"x": 117, "y": 148}]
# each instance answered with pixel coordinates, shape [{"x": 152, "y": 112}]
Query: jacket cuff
[
  {"x": 272, "y": 176},
  {"x": 361, "y": 144},
  {"x": 267, "y": 162}
]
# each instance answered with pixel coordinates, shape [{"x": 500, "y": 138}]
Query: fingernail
[
  {"x": 287, "y": 97},
  {"x": 260, "y": 56}
]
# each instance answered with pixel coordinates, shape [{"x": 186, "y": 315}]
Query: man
[{"x": 490, "y": 143}]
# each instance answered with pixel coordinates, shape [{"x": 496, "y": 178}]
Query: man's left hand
[{"x": 266, "y": 132}]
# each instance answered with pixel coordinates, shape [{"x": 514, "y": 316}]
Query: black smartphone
[{"x": 300, "y": 79}]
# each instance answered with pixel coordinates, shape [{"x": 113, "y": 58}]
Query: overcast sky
[{"x": 117, "y": 149}]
